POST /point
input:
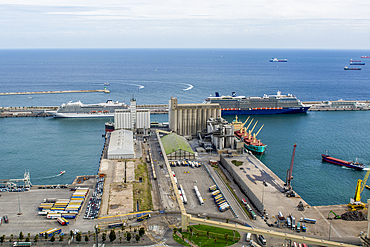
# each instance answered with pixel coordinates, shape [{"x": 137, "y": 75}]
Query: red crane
[{"x": 289, "y": 172}]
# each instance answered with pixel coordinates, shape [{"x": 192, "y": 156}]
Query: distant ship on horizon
[{"x": 278, "y": 60}]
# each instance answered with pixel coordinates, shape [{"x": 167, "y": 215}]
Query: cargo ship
[
  {"x": 268, "y": 104},
  {"x": 350, "y": 164},
  {"x": 278, "y": 60},
  {"x": 356, "y": 63},
  {"x": 348, "y": 68},
  {"x": 80, "y": 110},
  {"x": 365, "y": 56},
  {"x": 250, "y": 140}
]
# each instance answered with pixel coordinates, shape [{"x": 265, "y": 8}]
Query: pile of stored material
[{"x": 354, "y": 216}]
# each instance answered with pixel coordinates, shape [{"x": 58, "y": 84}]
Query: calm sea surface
[{"x": 46, "y": 146}]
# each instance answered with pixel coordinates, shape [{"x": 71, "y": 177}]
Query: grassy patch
[
  {"x": 142, "y": 190},
  {"x": 203, "y": 235},
  {"x": 237, "y": 162}
]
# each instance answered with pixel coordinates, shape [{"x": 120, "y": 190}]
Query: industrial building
[
  {"x": 188, "y": 119},
  {"x": 134, "y": 119},
  {"x": 221, "y": 133},
  {"x": 121, "y": 145},
  {"x": 176, "y": 147}
]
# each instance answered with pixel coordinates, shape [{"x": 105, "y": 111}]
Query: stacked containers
[{"x": 77, "y": 200}]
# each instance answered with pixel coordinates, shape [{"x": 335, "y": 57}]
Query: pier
[{"x": 49, "y": 92}]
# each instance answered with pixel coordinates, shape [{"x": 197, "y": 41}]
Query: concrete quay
[
  {"x": 48, "y": 92},
  {"x": 253, "y": 173}
]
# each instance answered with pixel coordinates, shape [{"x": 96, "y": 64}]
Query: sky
[{"x": 321, "y": 24}]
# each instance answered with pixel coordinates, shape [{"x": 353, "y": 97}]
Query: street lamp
[{"x": 96, "y": 235}]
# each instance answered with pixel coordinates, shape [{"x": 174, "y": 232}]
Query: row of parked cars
[{"x": 93, "y": 206}]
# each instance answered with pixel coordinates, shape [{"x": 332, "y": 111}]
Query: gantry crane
[
  {"x": 355, "y": 203},
  {"x": 289, "y": 173}
]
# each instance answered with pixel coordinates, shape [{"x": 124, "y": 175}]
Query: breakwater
[{"x": 53, "y": 92}]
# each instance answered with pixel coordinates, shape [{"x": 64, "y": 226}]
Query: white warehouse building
[
  {"x": 132, "y": 119},
  {"x": 121, "y": 145}
]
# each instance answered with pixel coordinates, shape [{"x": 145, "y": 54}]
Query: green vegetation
[
  {"x": 203, "y": 235},
  {"x": 237, "y": 162},
  {"x": 142, "y": 191}
]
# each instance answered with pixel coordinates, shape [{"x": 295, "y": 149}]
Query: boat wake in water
[
  {"x": 60, "y": 174},
  {"x": 188, "y": 88}
]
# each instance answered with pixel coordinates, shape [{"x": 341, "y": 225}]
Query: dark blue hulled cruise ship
[{"x": 268, "y": 104}]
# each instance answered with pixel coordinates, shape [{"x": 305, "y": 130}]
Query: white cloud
[{"x": 182, "y": 20}]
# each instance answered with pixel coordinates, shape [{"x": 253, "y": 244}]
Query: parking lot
[
  {"x": 22, "y": 211},
  {"x": 189, "y": 177}
]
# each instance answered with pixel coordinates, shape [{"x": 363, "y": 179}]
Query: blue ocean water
[{"x": 45, "y": 146}]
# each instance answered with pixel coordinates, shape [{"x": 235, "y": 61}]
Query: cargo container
[
  {"x": 50, "y": 200},
  {"x": 215, "y": 193},
  {"x": 303, "y": 226},
  {"x": 62, "y": 221},
  {"x": 69, "y": 216},
  {"x": 53, "y": 215},
  {"x": 213, "y": 188}
]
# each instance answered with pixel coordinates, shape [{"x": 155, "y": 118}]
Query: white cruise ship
[{"x": 80, "y": 110}]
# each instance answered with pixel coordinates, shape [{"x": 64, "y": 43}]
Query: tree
[
  {"x": 191, "y": 232},
  {"x": 71, "y": 233},
  {"x": 215, "y": 241},
  {"x": 86, "y": 238},
  {"x": 174, "y": 230},
  {"x": 137, "y": 237},
  {"x": 36, "y": 238},
  {"x": 208, "y": 234},
  {"x": 27, "y": 239},
  {"x": 128, "y": 236},
  {"x": 104, "y": 237},
  {"x": 60, "y": 238},
  {"x": 112, "y": 235},
  {"x": 120, "y": 239},
  {"x": 226, "y": 236},
  {"x": 52, "y": 239},
  {"x": 141, "y": 231},
  {"x": 21, "y": 236},
  {"x": 2, "y": 239},
  {"x": 78, "y": 237},
  {"x": 227, "y": 220},
  {"x": 45, "y": 236}
]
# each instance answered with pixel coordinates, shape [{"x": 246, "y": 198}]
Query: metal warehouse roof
[
  {"x": 173, "y": 142},
  {"x": 121, "y": 144}
]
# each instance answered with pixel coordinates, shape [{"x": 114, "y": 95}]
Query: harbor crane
[
  {"x": 355, "y": 202},
  {"x": 11, "y": 183},
  {"x": 289, "y": 175}
]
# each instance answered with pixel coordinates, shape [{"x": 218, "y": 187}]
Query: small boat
[
  {"x": 106, "y": 84},
  {"x": 62, "y": 172},
  {"x": 278, "y": 60},
  {"x": 350, "y": 164},
  {"x": 356, "y": 61},
  {"x": 348, "y": 68}
]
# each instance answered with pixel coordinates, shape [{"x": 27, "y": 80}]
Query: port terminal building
[{"x": 189, "y": 119}]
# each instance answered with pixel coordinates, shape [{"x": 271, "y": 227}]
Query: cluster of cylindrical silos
[{"x": 188, "y": 119}]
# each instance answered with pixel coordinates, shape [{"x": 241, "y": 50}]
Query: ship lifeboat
[
  {"x": 105, "y": 111},
  {"x": 93, "y": 111}
]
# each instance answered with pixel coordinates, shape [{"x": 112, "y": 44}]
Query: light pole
[
  {"x": 19, "y": 205},
  {"x": 96, "y": 235},
  {"x": 329, "y": 230}
]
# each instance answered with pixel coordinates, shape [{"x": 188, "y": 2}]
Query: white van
[{"x": 248, "y": 237}]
